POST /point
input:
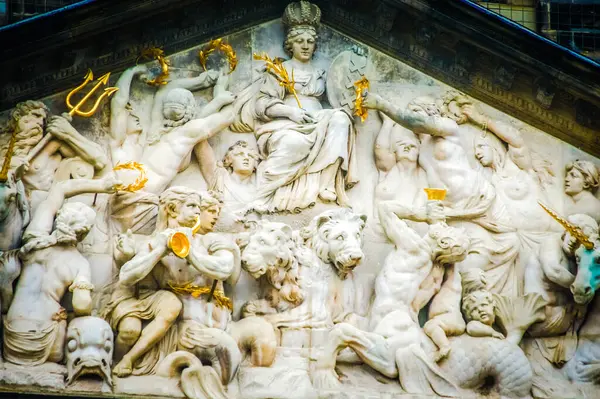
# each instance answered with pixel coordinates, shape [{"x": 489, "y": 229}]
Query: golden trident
[
  {"x": 76, "y": 109},
  {"x": 102, "y": 81},
  {"x": 575, "y": 231}
]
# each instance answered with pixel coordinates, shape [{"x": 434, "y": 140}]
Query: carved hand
[
  {"x": 300, "y": 116},
  {"x": 498, "y": 335},
  {"x": 110, "y": 184},
  {"x": 212, "y": 78},
  {"x": 161, "y": 240},
  {"x": 473, "y": 115},
  {"x": 371, "y": 100},
  {"x": 225, "y": 98},
  {"x": 21, "y": 170},
  {"x": 434, "y": 211},
  {"x": 59, "y": 127},
  {"x": 126, "y": 243}
]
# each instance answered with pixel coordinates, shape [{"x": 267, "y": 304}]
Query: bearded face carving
[{"x": 89, "y": 348}]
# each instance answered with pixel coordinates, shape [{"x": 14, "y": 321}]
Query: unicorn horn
[{"x": 575, "y": 231}]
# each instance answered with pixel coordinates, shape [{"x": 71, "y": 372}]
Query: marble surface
[{"x": 313, "y": 263}]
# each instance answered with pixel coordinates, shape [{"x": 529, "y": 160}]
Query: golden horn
[
  {"x": 8, "y": 157},
  {"x": 179, "y": 242},
  {"x": 575, "y": 231}
]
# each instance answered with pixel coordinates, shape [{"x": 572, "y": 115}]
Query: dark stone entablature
[{"x": 454, "y": 41}]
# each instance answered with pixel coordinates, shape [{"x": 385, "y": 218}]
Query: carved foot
[
  {"x": 325, "y": 379},
  {"x": 124, "y": 368},
  {"x": 328, "y": 195},
  {"x": 441, "y": 353}
]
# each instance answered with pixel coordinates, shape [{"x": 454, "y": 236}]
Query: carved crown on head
[{"x": 301, "y": 13}]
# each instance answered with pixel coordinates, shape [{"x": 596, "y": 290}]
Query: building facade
[{"x": 348, "y": 198}]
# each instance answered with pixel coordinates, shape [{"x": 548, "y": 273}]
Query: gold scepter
[{"x": 280, "y": 73}]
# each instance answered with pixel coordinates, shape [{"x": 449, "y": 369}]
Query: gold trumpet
[{"x": 179, "y": 243}]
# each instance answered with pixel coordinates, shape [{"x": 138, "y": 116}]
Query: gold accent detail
[
  {"x": 435, "y": 194},
  {"x": 179, "y": 242},
  {"x": 102, "y": 81},
  {"x": 139, "y": 183},
  {"x": 280, "y": 73},
  {"x": 8, "y": 157},
  {"x": 219, "y": 44},
  {"x": 157, "y": 54},
  {"x": 575, "y": 231},
  {"x": 359, "y": 87},
  {"x": 196, "y": 291}
]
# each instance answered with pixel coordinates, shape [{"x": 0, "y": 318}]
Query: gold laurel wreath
[
  {"x": 159, "y": 55},
  {"x": 218, "y": 44},
  {"x": 359, "y": 87},
  {"x": 141, "y": 180}
]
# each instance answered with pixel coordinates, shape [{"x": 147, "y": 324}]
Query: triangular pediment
[
  {"x": 263, "y": 210},
  {"x": 458, "y": 43}
]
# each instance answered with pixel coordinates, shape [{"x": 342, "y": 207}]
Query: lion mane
[
  {"x": 335, "y": 236},
  {"x": 269, "y": 254}
]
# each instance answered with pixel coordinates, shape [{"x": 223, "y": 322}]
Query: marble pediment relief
[{"x": 210, "y": 233}]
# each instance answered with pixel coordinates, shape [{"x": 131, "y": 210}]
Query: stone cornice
[{"x": 453, "y": 41}]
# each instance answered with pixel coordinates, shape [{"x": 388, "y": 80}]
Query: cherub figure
[{"x": 478, "y": 305}]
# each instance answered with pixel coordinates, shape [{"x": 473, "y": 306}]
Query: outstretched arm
[
  {"x": 219, "y": 266},
  {"x": 144, "y": 260},
  {"x": 43, "y": 218},
  {"x": 91, "y": 152},
  {"x": 390, "y": 216},
  {"x": 118, "y": 103},
  {"x": 432, "y": 125},
  {"x": 207, "y": 161},
  {"x": 205, "y": 128},
  {"x": 221, "y": 97},
  {"x": 517, "y": 148},
  {"x": 384, "y": 157}
]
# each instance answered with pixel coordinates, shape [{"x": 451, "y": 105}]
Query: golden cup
[
  {"x": 179, "y": 242},
  {"x": 435, "y": 194}
]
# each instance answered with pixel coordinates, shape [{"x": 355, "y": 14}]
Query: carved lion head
[
  {"x": 336, "y": 237},
  {"x": 267, "y": 246},
  {"x": 268, "y": 250}
]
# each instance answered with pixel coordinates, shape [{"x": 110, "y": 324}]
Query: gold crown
[{"x": 301, "y": 13}]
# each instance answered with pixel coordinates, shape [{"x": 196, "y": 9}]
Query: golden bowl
[
  {"x": 179, "y": 244},
  {"x": 435, "y": 194}
]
